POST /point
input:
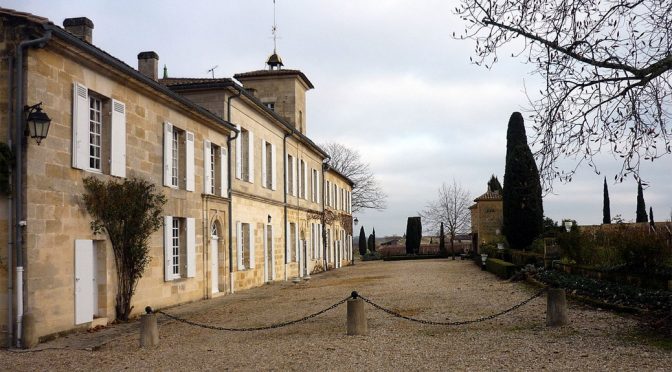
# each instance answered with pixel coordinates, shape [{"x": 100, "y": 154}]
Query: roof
[
  {"x": 178, "y": 84},
  {"x": 351, "y": 182},
  {"x": 114, "y": 62},
  {"x": 489, "y": 195},
  {"x": 273, "y": 73}
]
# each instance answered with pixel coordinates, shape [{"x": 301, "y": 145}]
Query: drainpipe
[
  {"x": 10, "y": 245},
  {"x": 284, "y": 174},
  {"x": 325, "y": 166},
  {"x": 19, "y": 222},
  {"x": 230, "y": 185}
]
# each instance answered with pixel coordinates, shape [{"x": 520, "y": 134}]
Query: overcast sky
[{"x": 389, "y": 81}]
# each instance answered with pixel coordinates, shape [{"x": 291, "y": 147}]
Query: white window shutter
[
  {"x": 287, "y": 240},
  {"x": 287, "y": 165},
  {"x": 167, "y": 154},
  {"x": 320, "y": 245},
  {"x": 191, "y": 247},
  {"x": 239, "y": 245},
  {"x": 294, "y": 177},
  {"x": 318, "y": 186},
  {"x": 239, "y": 154},
  {"x": 263, "y": 163},
  {"x": 296, "y": 239},
  {"x": 252, "y": 248},
  {"x": 274, "y": 177},
  {"x": 207, "y": 164},
  {"x": 224, "y": 172},
  {"x": 304, "y": 168},
  {"x": 189, "y": 160},
  {"x": 118, "y": 139},
  {"x": 80, "y": 126},
  {"x": 168, "y": 248},
  {"x": 250, "y": 175}
]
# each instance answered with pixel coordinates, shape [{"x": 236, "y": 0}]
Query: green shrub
[{"x": 502, "y": 269}]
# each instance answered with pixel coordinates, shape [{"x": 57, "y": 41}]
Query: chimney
[
  {"x": 148, "y": 64},
  {"x": 81, "y": 27}
]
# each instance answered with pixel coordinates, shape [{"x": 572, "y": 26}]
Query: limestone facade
[
  {"x": 486, "y": 219},
  {"x": 245, "y": 187}
]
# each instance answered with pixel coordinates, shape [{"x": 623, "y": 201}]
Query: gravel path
[{"x": 429, "y": 289}]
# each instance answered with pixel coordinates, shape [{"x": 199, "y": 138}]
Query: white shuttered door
[
  {"x": 168, "y": 248},
  {"x": 191, "y": 247}
]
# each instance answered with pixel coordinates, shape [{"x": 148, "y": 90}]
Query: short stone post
[
  {"x": 357, "y": 325},
  {"x": 556, "y": 309},
  {"x": 149, "y": 331}
]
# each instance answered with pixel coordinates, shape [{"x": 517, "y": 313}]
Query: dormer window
[{"x": 270, "y": 105}]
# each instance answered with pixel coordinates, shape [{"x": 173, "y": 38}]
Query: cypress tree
[
  {"x": 651, "y": 216},
  {"x": 606, "y": 211},
  {"x": 413, "y": 235},
  {"x": 442, "y": 243},
  {"x": 372, "y": 244},
  {"x": 493, "y": 184},
  {"x": 641, "y": 206},
  {"x": 523, "y": 211},
  {"x": 362, "y": 242}
]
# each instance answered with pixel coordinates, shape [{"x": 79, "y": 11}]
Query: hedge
[{"x": 502, "y": 269}]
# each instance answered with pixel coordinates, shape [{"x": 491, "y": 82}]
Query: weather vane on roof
[{"x": 274, "y": 30}]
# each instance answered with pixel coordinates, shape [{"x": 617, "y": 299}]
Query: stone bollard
[
  {"x": 149, "y": 332},
  {"x": 30, "y": 339},
  {"x": 357, "y": 325},
  {"x": 556, "y": 308}
]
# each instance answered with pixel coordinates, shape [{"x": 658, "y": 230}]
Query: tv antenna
[{"x": 212, "y": 70}]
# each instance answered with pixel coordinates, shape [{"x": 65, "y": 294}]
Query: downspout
[
  {"x": 284, "y": 174},
  {"x": 19, "y": 222},
  {"x": 230, "y": 186},
  {"x": 10, "y": 245},
  {"x": 325, "y": 166}
]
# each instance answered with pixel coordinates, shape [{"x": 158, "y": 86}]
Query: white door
[
  {"x": 84, "y": 281},
  {"x": 269, "y": 267},
  {"x": 214, "y": 263}
]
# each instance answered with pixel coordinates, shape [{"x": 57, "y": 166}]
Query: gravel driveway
[{"x": 429, "y": 289}]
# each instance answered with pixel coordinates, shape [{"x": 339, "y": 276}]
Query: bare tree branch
[
  {"x": 367, "y": 192},
  {"x": 607, "y": 65},
  {"x": 450, "y": 207}
]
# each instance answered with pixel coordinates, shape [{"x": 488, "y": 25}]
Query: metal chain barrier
[
  {"x": 455, "y": 323},
  {"x": 249, "y": 329}
]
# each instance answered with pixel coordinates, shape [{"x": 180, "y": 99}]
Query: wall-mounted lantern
[{"x": 38, "y": 122}]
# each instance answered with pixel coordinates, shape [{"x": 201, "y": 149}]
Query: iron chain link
[
  {"x": 249, "y": 329},
  {"x": 455, "y": 323}
]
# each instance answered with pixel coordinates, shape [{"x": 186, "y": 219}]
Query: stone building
[
  {"x": 486, "y": 218},
  {"x": 251, "y": 199}
]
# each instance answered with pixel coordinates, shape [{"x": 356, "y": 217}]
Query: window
[
  {"x": 268, "y": 173},
  {"x": 315, "y": 182},
  {"x": 270, "y": 105},
  {"x": 98, "y": 132},
  {"x": 303, "y": 193},
  {"x": 179, "y": 247},
  {"x": 328, "y": 190},
  {"x": 291, "y": 175},
  {"x": 178, "y": 158},
  {"x": 293, "y": 243},
  {"x": 245, "y": 245},
  {"x": 334, "y": 195},
  {"x": 215, "y": 169},
  {"x": 245, "y": 155}
]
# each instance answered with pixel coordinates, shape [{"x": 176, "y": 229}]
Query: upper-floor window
[
  {"x": 245, "y": 155},
  {"x": 268, "y": 172},
  {"x": 178, "y": 157},
  {"x": 98, "y": 132},
  {"x": 315, "y": 181},
  {"x": 215, "y": 169},
  {"x": 291, "y": 175},
  {"x": 303, "y": 192}
]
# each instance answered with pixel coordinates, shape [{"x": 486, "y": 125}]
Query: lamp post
[{"x": 37, "y": 121}]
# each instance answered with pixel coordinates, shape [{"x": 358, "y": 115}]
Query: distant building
[{"x": 486, "y": 218}]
